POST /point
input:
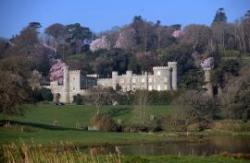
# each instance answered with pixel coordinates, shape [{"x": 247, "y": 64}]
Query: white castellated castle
[
  {"x": 163, "y": 78},
  {"x": 73, "y": 83}
]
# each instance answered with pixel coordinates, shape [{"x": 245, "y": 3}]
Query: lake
[{"x": 187, "y": 146}]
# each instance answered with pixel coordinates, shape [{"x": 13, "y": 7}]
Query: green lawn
[
  {"x": 72, "y": 115},
  {"x": 37, "y": 125},
  {"x": 45, "y": 136}
]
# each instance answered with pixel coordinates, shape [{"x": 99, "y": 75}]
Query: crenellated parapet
[
  {"x": 75, "y": 71},
  {"x": 172, "y": 64},
  {"x": 160, "y": 68},
  {"x": 163, "y": 78}
]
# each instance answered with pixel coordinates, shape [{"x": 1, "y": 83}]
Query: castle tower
[
  {"x": 162, "y": 78},
  {"x": 65, "y": 92},
  {"x": 75, "y": 81},
  {"x": 207, "y": 65},
  {"x": 114, "y": 79},
  {"x": 74, "y": 84},
  {"x": 168, "y": 75},
  {"x": 146, "y": 76},
  {"x": 173, "y": 66},
  {"x": 129, "y": 80},
  {"x": 208, "y": 84}
]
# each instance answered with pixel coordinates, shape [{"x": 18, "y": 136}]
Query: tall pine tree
[{"x": 220, "y": 16}]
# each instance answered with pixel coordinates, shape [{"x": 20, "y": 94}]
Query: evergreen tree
[
  {"x": 247, "y": 15},
  {"x": 220, "y": 16}
]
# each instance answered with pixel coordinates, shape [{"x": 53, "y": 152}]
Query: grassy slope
[
  {"x": 77, "y": 137},
  {"x": 70, "y": 115},
  {"x": 39, "y": 128}
]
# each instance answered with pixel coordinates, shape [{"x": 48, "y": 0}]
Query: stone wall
[{"x": 163, "y": 78}]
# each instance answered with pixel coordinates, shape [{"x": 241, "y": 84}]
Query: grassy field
[
  {"x": 45, "y": 136},
  {"x": 38, "y": 125},
  {"x": 37, "y": 128},
  {"x": 72, "y": 115},
  {"x": 48, "y": 123}
]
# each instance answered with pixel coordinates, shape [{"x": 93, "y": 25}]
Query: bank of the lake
[{"x": 39, "y": 153}]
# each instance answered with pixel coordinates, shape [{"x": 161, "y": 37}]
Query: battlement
[
  {"x": 163, "y": 78},
  {"x": 161, "y": 68},
  {"x": 75, "y": 71},
  {"x": 172, "y": 63}
]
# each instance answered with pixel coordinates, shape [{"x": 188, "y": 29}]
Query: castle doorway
[{"x": 57, "y": 97}]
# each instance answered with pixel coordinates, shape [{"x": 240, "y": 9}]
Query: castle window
[
  {"x": 159, "y": 73},
  {"x": 73, "y": 88},
  {"x": 158, "y": 87},
  {"x": 143, "y": 80},
  {"x": 150, "y": 80},
  {"x": 150, "y": 87}
]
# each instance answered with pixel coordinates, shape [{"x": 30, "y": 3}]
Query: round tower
[
  {"x": 208, "y": 84},
  {"x": 173, "y": 66},
  {"x": 162, "y": 78},
  {"x": 129, "y": 80},
  {"x": 114, "y": 79},
  {"x": 207, "y": 65},
  {"x": 65, "y": 93}
]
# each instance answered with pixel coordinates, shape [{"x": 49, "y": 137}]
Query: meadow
[
  {"x": 52, "y": 133},
  {"x": 71, "y": 116},
  {"x": 47, "y": 123}
]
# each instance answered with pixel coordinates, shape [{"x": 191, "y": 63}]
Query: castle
[
  {"x": 163, "y": 78},
  {"x": 73, "y": 82}
]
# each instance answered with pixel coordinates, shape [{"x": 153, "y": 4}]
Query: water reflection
[{"x": 199, "y": 146}]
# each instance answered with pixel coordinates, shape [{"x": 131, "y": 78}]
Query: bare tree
[
  {"x": 140, "y": 106},
  {"x": 193, "y": 107},
  {"x": 198, "y": 36},
  {"x": 234, "y": 99},
  {"x": 12, "y": 92}
]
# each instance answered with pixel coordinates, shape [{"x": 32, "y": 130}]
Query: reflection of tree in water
[
  {"x": 203, "y": 147},
  {"x": 231, "y": 144}
]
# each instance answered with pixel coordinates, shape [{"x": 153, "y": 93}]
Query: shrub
[
  {"x": 235, "y": 96},
  {"x": 161, "y": 98},
  {"x": 154, "y": 125},
  {"x": 42, "y": 94},
  {"x": 136, "y": 127},
  {"x": 231, "y": 53},
  {"x": 46, "y": 94},
  {"x": 169, "y": 123},
  {"x": 78, "y": 99},
  {"x": 194, "y": 107},
  {"x": 231, "y": 125},
  {"x": 194, "y": 127},
  {"x": 103, "y": 122}
]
